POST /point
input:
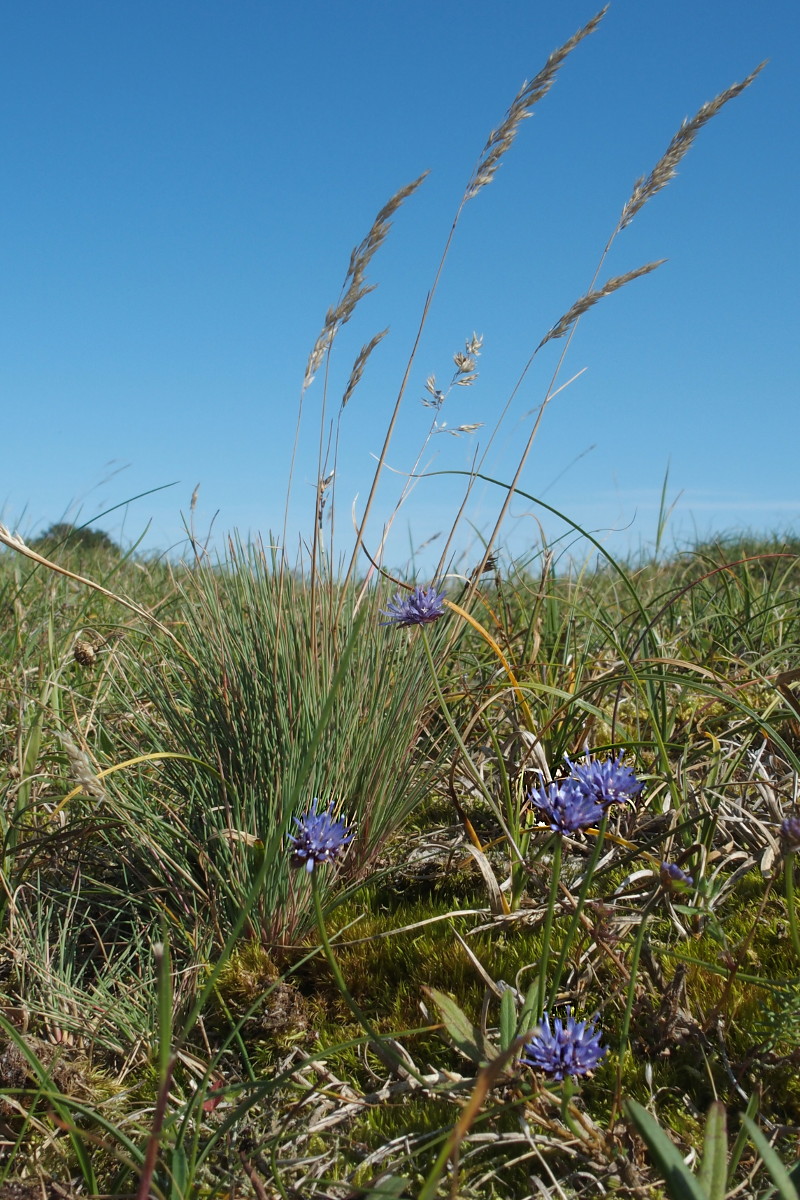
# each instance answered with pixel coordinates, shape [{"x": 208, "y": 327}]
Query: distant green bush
[{"x": 62, "y": 533}]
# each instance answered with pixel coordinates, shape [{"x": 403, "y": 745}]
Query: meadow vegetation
[{"x": 210, "y": 988}]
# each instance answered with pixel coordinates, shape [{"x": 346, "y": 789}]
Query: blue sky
[{"x": 184, "y": 183}]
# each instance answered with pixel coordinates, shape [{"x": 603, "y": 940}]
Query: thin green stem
[
  {"x": 569, "y": 1088},
  {"x": 474, "y": 772},
  {"x": 517, "y": 849},
  {"x": 791, "y": 904},
  {"x": 576, "y": 916},
  {"x": 631, "y": 995},
  {"x": 634, "y": 966},
  {"x": 385, "y": 1049},
  {"x": 552, "y": 901}
]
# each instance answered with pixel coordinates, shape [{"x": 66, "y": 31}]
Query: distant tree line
[{"x": 62, "y": 533}]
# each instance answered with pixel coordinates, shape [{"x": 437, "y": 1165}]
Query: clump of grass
[{"x": 241, "y": 717}]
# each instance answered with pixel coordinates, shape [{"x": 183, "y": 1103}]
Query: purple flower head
[
  {"x": 790, "y": 832},
  {"x": 673, "y": 879},
  {"x": 565, "y": 807},
  {"x": 569, "y": 1048},
  {"x": 420, "y": 607},
  {"x": 607, "y": 782},
  {"x": 320, "y": 838}
]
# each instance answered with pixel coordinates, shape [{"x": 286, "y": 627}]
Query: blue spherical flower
[
  {"x": 565, "y": 806},
  {"x": 569, "y": 1048},
  {"x": 320, "y": 838},
  {"x": 790, "y": 832},
  {"x": 673, "y": 878},
  {"x": 421, "y": 607},
  {"x": 608, "y": 782}
]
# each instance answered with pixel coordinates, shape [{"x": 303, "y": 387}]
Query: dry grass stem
[
  {"x": 586, "y": 302},
  {"x": 353, "y": 290},
  {"x": 666, "y": 167},
  {"x": 500, "y": 139},
  {"x": 457, "y": 430}
]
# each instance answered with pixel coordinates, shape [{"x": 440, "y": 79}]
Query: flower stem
[
  {"x": 626, "y": 1020},
  {"x": 552, "y": 900},
  {"x": 791, "y": 904},
  {"x": 576, "y": 916},
  {"x": 568, "y": 1089},
  {"x": 475, "y": 773},
  {"x": 386, "y": 1052}
]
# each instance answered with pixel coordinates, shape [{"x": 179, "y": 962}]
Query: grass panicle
[
  {"x": 666, "y": 168},
  {"x": 501, "y": 139},
  {"x": 355, "y": 286},
  {"x": 568, "y": 320}
]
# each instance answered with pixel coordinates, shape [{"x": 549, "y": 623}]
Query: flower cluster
[
  {"x": 421, "y": 607},
  {"x": 581, "y": 800},
  {"x": 608, "y": 782},
  {"x": 564, "y": 807},
  {"x": 319, "y": 838},
  {"x": 568, "y": 1048}
]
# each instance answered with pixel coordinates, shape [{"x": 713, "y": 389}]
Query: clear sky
[{"x": 184, "y": 182}]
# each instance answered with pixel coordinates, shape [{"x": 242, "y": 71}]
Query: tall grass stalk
[
  {"x": 499, "y": 142},
  {"x": 791, "y": 903},
  {"x": 547, "y": 930}
]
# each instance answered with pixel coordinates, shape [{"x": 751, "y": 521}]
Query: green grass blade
[
  {"x": 508, "y": 1019},
  {"x": 465, "y": 1035},
  {"x": 712, "y": 1176},
  {"x": 741, "y": 1140},
  {"x": 680, "y": 1182},
  {"x": 777, "y": 1171}
]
